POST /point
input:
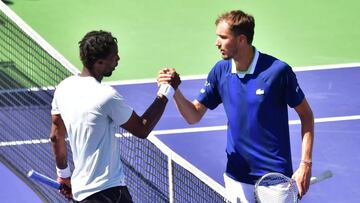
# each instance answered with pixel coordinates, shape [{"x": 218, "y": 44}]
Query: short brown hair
[{"x": 240, "y": 23}]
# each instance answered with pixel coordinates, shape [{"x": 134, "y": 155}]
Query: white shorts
[{"x": 238, "y": 192}]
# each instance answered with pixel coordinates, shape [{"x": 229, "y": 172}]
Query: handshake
[{"x": 168, "y": 81}]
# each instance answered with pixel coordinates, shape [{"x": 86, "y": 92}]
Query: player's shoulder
[
  {"x": 273, "y": 63},
  {"x": 109, "y": 90},
  {"x": 220, "y": 70},
  {"x": 66, "y": 82},
  {"x": 224, "y": 63},
  {"x": 221, "y": 67}
]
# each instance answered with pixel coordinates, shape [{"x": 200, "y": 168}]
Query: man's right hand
[
  {"x": 66, "y": 191},
  {"x": 169, "y": 76}
]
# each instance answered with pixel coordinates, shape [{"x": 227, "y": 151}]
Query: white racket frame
[{"x": 315, "y": 179}]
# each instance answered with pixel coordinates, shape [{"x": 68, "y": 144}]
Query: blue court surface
[{"x": 333, "y": 93}]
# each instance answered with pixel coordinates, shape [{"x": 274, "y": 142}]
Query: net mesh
[
  {"x": 28, "y": 73},
  {"x": 146, "y": 169},
  {"x": 188, "y": 187}
]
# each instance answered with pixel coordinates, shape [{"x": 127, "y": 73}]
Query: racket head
[{"x": 275, "y": 187}]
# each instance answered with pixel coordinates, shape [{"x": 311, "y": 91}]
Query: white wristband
[
  {"x": 63, "y": 173},
  {"x": 166, "y": 90}
]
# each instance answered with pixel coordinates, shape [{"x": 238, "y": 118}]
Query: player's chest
[{"x": 252, "y": 91}]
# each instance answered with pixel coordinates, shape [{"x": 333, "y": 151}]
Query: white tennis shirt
[{"x": 91, "y": 111}]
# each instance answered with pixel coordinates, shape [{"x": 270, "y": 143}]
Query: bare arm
[
  {"x": 57, "y": 137},
  {"x": 191, "y": 111},
  {"x": 141, "y": 126},
  {"x": 303, "y": 173},
  {"x": 58, "y": 132}
]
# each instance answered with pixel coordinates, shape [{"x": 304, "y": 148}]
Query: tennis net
[
  {"x": 155, "y": 173},
  {"x": 29, "y": 71}
]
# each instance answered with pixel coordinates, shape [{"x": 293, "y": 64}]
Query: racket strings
[{"x": 275, "y": 188}]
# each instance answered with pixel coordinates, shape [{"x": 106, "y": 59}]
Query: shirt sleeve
[
  {"x": 209, "y": 94},
  {"x": 54, "y": 104},
  {"x": 117, "y": 109},
  {"x": 294, "y": 94}
]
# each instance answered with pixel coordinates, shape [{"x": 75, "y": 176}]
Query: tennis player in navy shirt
[{"x": 255, "y": 90}]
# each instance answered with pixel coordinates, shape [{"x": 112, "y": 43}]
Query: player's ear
[
  {"x": 242, "y": 38},
  {"x": 99, "y": 62}
]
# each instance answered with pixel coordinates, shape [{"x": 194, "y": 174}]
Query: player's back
[{"x": 85, "y": 106}]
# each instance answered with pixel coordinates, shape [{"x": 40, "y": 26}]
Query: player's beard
[
  {"x": 225, "y": 57},
  {"x": 108, "y": 74},
  {"x": 225, "y": 54}
]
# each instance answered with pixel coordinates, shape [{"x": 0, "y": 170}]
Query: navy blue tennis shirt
[{"x": 258, "y": 139}]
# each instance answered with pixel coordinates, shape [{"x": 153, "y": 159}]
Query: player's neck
[
  {"x": 244, "y": 58},
  {"x": 88, "y": 73}
]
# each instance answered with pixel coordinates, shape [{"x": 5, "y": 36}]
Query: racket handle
[
  {"x": 325, "y": 175},
  {"x": 44, "y": 179}
]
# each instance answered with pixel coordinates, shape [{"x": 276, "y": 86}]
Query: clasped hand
[{"x": 168, "y": 76}]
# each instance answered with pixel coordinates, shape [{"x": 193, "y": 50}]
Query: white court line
[
  {"x": 184, "y": 130},
  {"x": 224, "y": 127},
  {"x": 196, "y": 77},
  {"x": 24, "y": 142},
  {"x": 33, "y": 89}
]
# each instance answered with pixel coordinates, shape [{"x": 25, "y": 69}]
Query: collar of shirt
[{"x": 251, "y": 68}]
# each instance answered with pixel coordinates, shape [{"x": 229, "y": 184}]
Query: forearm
[
  {"x": 60, "y": 154},
  {"x": 141, "y": 126},
  {"x": 307, "y": 130},
  {"x": 153, "y": 114},
  {"x": 303, "y": 174},
  {"x": 57, "y": 137},
  {"x": 307, "y": 139},
  {"x": 186, "y": 108}
]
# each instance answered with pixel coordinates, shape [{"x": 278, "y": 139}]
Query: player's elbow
[
  {"x": 194, "y": 114},
  {"x": 141, "y": 132},
  {"x": 53, "y": 138},
  {"x": 141, "y": 135},
  {"x": 192, "y": 120}
]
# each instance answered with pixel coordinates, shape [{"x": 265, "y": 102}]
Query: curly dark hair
[
  {"x": 96, "y": 45},
  {"x": 240, "y": 23}
]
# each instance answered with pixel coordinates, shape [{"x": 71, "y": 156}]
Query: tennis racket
[
  {"x": 45, "y": 180},
  {"x": 278, "y": 188}
]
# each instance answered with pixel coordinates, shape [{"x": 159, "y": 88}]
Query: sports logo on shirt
[
  {"x": 260, "y": 92},
  {"x": 206, "y": 85}
]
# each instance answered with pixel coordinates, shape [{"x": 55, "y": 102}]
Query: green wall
[{"x": 181, "y": 33}]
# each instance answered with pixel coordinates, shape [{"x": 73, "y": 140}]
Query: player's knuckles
[{"x": 164, "y": 70}]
